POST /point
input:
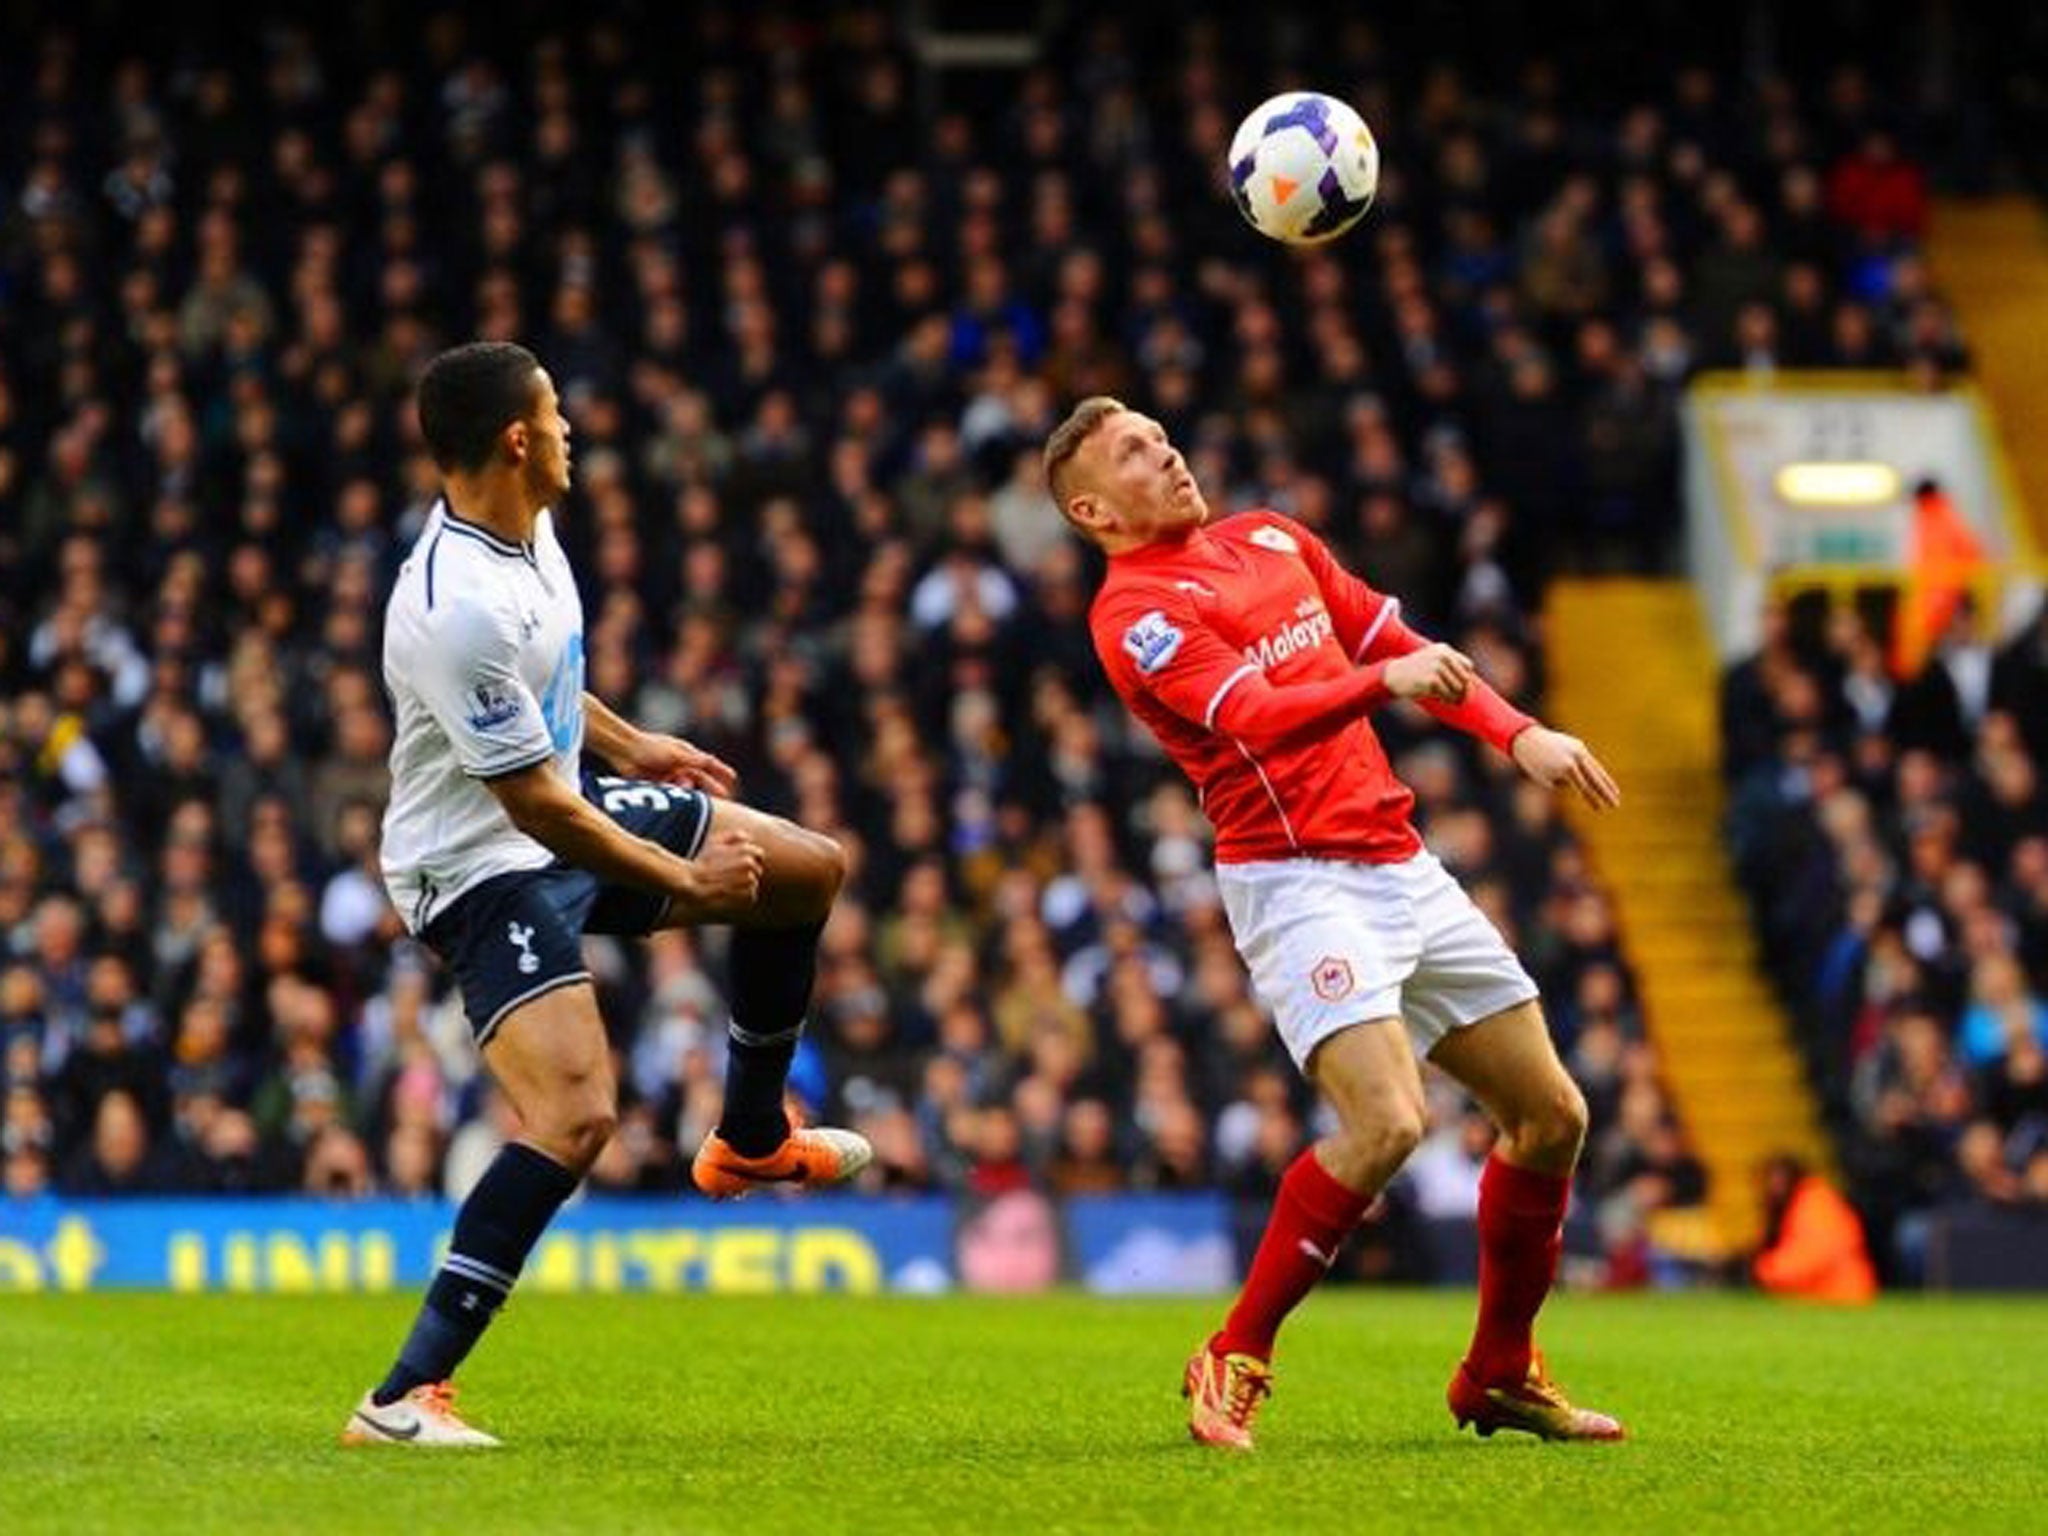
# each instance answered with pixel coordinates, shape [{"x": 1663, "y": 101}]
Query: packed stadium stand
[
  {"x": 1895, "y": 835},
  {"x": 812, "y": 305}
]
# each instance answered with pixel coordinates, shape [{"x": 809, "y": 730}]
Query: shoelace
[
  {"x": 1546, "y": 1389},
  {"x": 1243, "y": 1394},
  {"x": 1539, "y": 1383},
  {"x": 438, "y": 1398}
]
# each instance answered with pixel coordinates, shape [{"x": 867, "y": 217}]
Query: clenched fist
[
  {"x": 1437, "y": 671},
  {"x": 725, "y": 878}
]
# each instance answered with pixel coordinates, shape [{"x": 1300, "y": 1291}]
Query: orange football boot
[
  {"x": 1224, "y": 1393},
  {"x": 1537, "y": 1406},
  {"x": 810, "y": 1157}
]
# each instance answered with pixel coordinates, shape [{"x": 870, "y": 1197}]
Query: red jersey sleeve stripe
[
  {"x": 1388, "y": 608},
  {"x": 1230, "y": 682}
]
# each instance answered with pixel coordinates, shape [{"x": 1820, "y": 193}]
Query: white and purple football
[{"x": 1303, "y": 168}]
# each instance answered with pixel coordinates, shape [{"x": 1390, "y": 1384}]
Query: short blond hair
[{"x": 1067, "y": 438}]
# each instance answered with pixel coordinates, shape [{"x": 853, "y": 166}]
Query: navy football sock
[
  {"x": 494, "y": 1231},
  {"x": 772, "y": 972}
]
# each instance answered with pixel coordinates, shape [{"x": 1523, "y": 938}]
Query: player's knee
[
  {"x": 1557, "y": 1129},
  {"x": 825, "y": 869},
  {"x": 833, "y": 864},
  {"x": 1371, "y": 1146},
  {"x": 578, "y": 1133},
  {"x": 592, "y": 1131},
  {"x": 1581, "y": 1116},
  {"x": 1402, "y": 1133}
]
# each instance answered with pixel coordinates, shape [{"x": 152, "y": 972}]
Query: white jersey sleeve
[{"x": 468, "y": 678}]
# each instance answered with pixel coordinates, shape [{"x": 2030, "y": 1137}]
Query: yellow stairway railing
[{"x": 1633, "y": 673}]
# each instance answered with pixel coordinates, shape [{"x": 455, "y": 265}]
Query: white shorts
[{"x": 1332, "y": 944}]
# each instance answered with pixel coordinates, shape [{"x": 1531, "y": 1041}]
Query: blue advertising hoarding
[{"x": 847, "y": 1243}]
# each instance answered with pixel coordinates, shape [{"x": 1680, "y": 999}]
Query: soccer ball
[{"x": 1303, "y": 168}]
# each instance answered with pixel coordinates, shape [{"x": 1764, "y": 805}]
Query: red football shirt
[{"x": 1254, "y": 658}]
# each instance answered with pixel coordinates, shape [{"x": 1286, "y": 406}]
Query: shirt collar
[{"x": 483, "y": 535}]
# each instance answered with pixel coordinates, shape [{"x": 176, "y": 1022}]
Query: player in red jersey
[{"x": 1255, "y": 659}]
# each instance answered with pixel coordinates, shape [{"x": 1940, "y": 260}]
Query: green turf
[{"x": 777, "y": 1417}]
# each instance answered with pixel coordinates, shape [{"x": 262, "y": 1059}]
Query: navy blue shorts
[{"x": 518, "y": 935}]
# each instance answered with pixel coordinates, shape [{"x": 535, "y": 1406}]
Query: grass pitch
[{"x": 817, "y": 1414}]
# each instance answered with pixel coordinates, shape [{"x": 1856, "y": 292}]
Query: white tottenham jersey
[{"x": 483, "y": 656}]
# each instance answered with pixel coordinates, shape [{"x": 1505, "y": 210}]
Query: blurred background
[{"x": 1672, "y": 376}]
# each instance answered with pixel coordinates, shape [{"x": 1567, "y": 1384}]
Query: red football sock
[
  {"x": 1312, "y": 1215},
  {"x": 1521, "y": 1231}
]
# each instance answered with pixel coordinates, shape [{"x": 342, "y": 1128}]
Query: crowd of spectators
[
  {"x": 811, "y": 319},
  {"x": 1894, "y": 834}
]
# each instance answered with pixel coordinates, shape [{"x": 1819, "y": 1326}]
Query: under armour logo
[{"x": 521, "y": 935}]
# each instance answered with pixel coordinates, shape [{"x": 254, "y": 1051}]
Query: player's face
[
  {"x": 547, "y": 445},
  {"x": 1139, "y": 484}
]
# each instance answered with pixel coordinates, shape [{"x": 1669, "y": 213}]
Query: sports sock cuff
[
  {"x": 1525, "y": 1191},
  {"x": 505, "y": 1214},
  {"x": 751, "y": 1040},
  {"x": 1320, "y": 1195}
]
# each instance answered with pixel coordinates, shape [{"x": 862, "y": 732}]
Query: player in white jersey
[{"x": 500, "y": 853}]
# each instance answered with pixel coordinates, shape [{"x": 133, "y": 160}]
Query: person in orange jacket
[
  {"x": 1813, "y": 1240},
  {"x": 1943, "y": 557}
]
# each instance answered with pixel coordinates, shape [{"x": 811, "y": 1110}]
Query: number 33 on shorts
[
  {"x": 673, "y": 815},
  {"x": 615, "y": 794}
]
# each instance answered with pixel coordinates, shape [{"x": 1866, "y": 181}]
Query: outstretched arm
[
  {"x": 1171, "y": 653},
  {"x": 1479, "y": 710},
  {"x": 646, "y": 755},
  {"x": 1551, "y": 758},
  {"x": 1369, "y": 627},
  {"x": 1434, "y": 677}
]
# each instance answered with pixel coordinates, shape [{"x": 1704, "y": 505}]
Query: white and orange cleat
[
  {"x": 425, "y": 1416},
  {"x": 1536, "y": 1406},
  {"x": 810, "y": 1157},
  {"x": 1224, "y": 1394}
]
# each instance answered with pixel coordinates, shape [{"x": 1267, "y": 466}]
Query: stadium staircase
[
  {"x": 1989, "y": 258},
  {"x": 1632, "y": 671}
]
